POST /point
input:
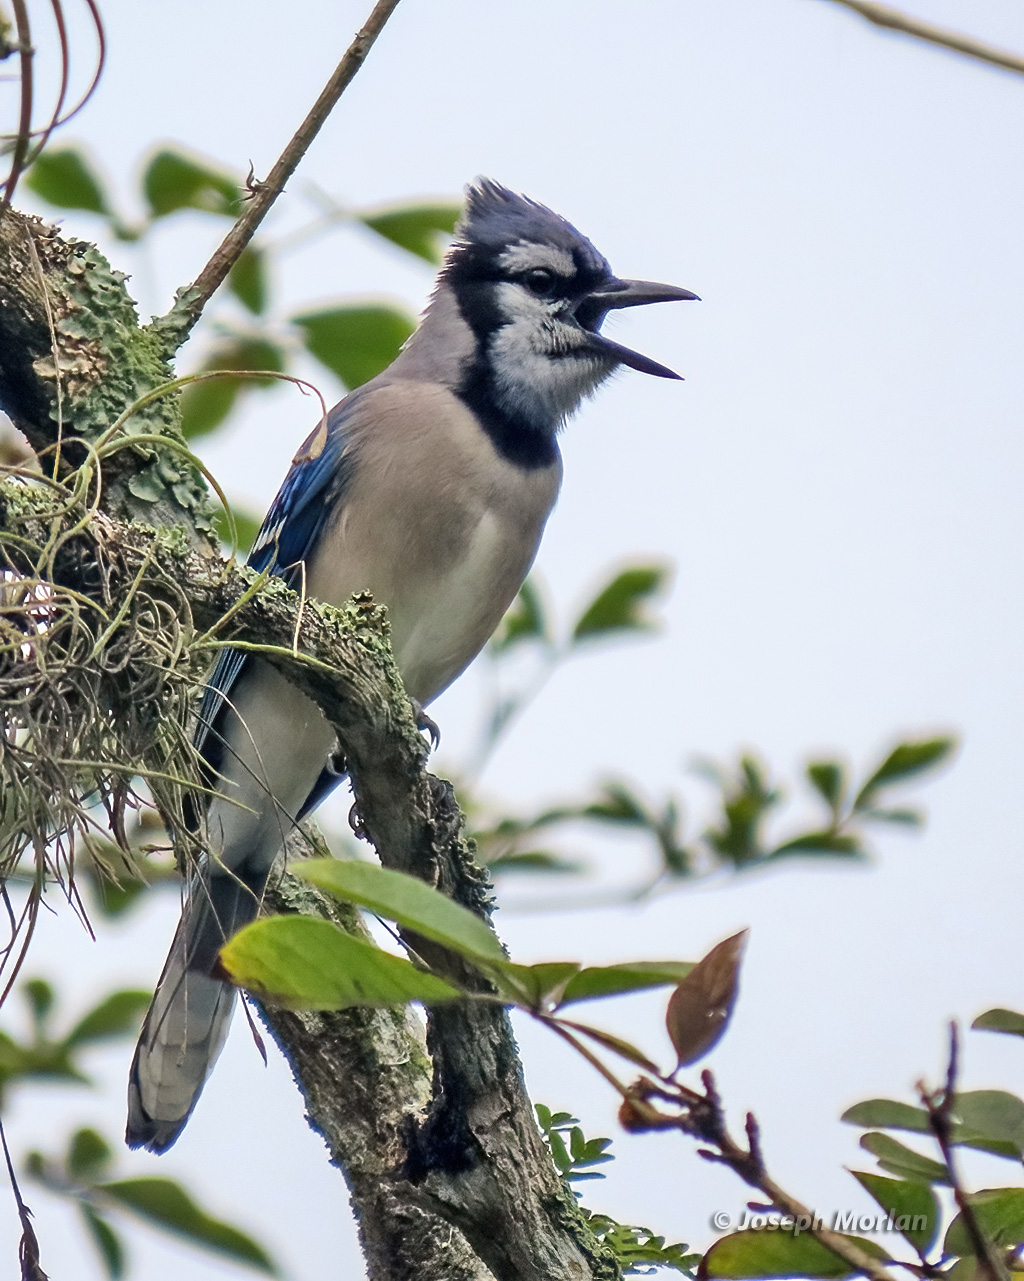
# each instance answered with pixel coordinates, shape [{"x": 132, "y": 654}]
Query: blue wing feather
[{"x": 311, "y": 491}]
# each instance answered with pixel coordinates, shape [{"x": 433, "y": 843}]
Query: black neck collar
[{"x": 516, "y": 438}]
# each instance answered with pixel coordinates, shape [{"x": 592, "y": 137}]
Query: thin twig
[
  {"x": 28, "y": 1252},
  {"x": 703, "y": 1117},
  {"x": 190, "y": 305},
  {"x": 101, "y": 62},
  {"x": 884, "y": 15},
  {"x": 939, "y": 1106},
  {"x": 65, "y": 74},
  {"x": 21, "y": 142}
]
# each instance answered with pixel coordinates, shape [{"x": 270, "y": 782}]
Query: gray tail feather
[{"x": 187, "y": 1022}]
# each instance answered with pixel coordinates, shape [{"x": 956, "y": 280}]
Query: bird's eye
[{"x": 540, "y": 281}]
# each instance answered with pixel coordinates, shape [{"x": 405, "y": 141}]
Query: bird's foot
[{"x": 425, "y": 724}]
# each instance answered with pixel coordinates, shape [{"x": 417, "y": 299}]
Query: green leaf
[
  {"x": 533, "y": 861},
  {"x": 14, "y": 1059},
  {"x": 621, "y": 605},
  {"x": 65, "y": 177},
  {"x": 173, "y": 180},
  {"x": 828, "y": 778},
  {"x": 105, "y": 1239},
  {"x": 113, "y": 898},
  {"x": 618, "y": 804},
  {"x": 589, "y": 1151},
  {"x": 1000, "y": 1215},
  {"x": 744, "y": 1256},
  {"x": 409, "y": 901},
  {"x": 40, "y": 997},
  {"x": 205, "y": 405},
  {"x": 421, "y": 229},
  {"x": 116, "y": 1015},
  {"x": 632, "y": 976},
  {"x": 887, "y": 1114},
  {"x": 904, "y": 762},
  {"x": 548, "y": 1120},
  {"x": 206, "y": 402},
  {"x": 39, "y": 1058},
  {"x": 625, "y": 1049},
  {"x": 634, "y": 1247},
  {"x": 998, "y": 1020},
  {"x": 536, "y": 987},
  {"x": 88, "y": 1155},
  {"x": 247, "y": 526},
  {"x": 170, "y": 1207},
  {"x": 356, "y": 343},
  {"x": 746, "y": 802},
  {"x": 913, "y": 1207},
  {"x": 906, "y": 817},
  {"x": 305, "y": 964},
  {"x": 524, "y": 620},
  {"x": 559, "y": 1152},
  {"x": 990, "y": 1120},
  {"x": 897, "y": 1159},
  {"x": 247, "y": 279},
  {"x": 701, "y": 1006},
  {"x": 820, "y": 843}
]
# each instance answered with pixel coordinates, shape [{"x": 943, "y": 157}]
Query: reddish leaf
[{"x": 699, "y": 1008}]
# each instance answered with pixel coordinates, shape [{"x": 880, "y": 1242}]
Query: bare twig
[
  {"x": 193, "y": 299},
  {"x": 28, "y": 1250},
  {"x": 748, "y": 1163},
  {"x": 703, "y": 1117},
  {"x": 939, "y": 1105},
  {"x": 21, "y": 142},
  {"x": 466, "y": 1152},
  {"x": 884, "y": 15}
]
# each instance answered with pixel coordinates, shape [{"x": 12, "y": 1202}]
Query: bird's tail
[{"x": 187, "y": 1022}]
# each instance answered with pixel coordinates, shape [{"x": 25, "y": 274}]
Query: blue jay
[{"x": 429, "y": 486}]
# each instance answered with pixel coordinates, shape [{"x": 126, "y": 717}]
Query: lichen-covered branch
[
  {"x": 381, "y": 1059},
  {"x": 73, "y": 359},
  {"x": 444, "y": 1152},
  {"x": 474, "y": 1156}
]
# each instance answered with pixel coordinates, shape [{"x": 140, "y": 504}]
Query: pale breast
[{"x": 436, "y": 524}]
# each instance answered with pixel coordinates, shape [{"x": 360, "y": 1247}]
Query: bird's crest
[{"x": 495, "y": 217}]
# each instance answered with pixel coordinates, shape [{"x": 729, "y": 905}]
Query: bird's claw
[{"x": 426, "y": 725}]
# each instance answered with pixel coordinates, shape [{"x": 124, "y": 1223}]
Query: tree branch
[
  {"x": 190, "y": 302},
  {"x": 464, "y": 1147},
  {"x": 466, "y": 1151},
  {"x": 381, "y": 1057},
  {"x": 884, "y": 15},
  {"x": 939, "y": 1105},
  {"x": 703, "y": 1117},
  {"x": 72, "y": 351}
]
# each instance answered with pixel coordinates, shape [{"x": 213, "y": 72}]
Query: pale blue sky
[{"x": 838, "y": 482}]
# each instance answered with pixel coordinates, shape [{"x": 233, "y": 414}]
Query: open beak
[{"x": 613, "y": 294}]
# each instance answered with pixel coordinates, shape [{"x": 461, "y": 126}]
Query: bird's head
[{"x": 535, "y": 293}]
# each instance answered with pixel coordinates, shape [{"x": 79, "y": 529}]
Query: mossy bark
[{"x": 448, "y": 1175}]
